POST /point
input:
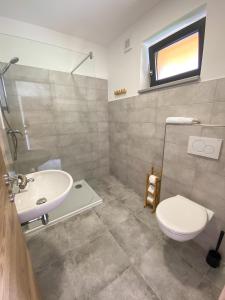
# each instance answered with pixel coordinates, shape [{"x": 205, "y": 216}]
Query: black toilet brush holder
[{"x": 213, "y": 257}]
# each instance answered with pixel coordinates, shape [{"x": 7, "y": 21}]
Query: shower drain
[
  {"x": 78, "y": 186},
  {"x": 41, "y": 201}
]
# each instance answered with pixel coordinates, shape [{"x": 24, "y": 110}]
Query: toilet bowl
[{"x": 182, "y": 219}]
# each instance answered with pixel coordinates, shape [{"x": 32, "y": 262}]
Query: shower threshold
[{"x": 81, "y": 198}]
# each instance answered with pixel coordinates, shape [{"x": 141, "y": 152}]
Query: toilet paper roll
[
  {"x": 150, "y": 199},
  {"x": 152, "y": 179},
  {"x": 151, "y": 189}
]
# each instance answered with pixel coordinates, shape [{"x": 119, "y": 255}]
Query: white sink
[{"x": 51, "y": 186}]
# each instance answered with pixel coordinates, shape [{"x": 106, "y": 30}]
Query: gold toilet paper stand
[{"x": 155, "y": 195}]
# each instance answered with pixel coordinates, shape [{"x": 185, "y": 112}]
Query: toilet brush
[{"x": 213, "y": 258}]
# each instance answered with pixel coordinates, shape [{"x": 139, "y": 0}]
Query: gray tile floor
[{"x": 116, "y": 251}]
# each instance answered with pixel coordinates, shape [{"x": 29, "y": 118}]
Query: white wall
[
  {"x": 124, "y": 69},
  {"x": 214, "y": 50},
  {"x": 41, "y": 47}
]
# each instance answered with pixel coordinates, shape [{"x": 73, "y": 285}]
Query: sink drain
[
  {"x": 41, "y": 201},
  {"x": 78, "y": 186}
]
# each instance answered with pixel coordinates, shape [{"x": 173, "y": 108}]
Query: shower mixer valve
[{"x": 14, "y": 131}]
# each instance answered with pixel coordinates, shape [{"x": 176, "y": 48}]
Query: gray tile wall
[
  {"x": 136, "y": 130},
  {"x": 66, "y": 118}
]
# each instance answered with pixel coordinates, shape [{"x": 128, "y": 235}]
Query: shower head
[{"x": 12, "y": 61}]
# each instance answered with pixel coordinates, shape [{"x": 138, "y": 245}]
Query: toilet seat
[{"x": 181, "y": 218}]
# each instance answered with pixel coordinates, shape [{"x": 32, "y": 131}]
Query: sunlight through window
[{"x": 178, "y": 58}]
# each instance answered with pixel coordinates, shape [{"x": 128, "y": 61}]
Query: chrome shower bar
[
  {"x": 209, "y": 125},
  {"x": 83, "y": 60}
]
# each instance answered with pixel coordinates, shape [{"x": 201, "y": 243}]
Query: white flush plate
[{"x": 203, "y": 146}]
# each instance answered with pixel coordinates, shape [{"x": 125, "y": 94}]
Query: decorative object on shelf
[
  {"x": 120, "y": 92},
  {"x": 152, "y": 192}
]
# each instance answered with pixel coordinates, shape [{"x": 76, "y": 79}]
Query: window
[{"x": 178, "y": 56}]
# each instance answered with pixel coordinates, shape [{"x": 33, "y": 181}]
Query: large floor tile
[
  {"x": 149, "y": 219},
  {"x": 109, "y": 188},
  {"x": 206, "y": 291},
  {"x": 168, "y": 274},
  {"x": 52, "y": 242},
  {"x": 96, "y": 184},
  {"x": 112, "y": 213},
  {"x": 134, "y": 237},
  {"x": 116, "y": 188},
  {"x": 128, "y": 286},
  {"x": 217, "y": 276},
  {"x": 112, "y": 182},
  {"x": 55, "y": 281},
  {"x": 83, "y": 228},
  {"x": 117, "y": 251},
  {"x": 132, "y": 201},
  {"x": 95, "y": 265},
  {"x": 192, "y": 254},
  {"x": 102, "y": 190},
  {"x": 47, "y": 245}
]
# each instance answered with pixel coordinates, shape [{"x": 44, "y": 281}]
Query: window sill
[{"x": 174, "y": 83}]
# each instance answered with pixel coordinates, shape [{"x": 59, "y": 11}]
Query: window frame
[{"x": 199, "y": 27}]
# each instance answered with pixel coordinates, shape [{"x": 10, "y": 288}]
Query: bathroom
[{"x": 90, "y": 124}]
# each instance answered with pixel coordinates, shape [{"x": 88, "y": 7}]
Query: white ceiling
[{"x": 100, "y": 21}]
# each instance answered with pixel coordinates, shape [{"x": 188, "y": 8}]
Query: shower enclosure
[{"x": 62, "y": 117}]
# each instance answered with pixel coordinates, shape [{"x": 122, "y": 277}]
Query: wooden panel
[{"x": 17, "y": 280}]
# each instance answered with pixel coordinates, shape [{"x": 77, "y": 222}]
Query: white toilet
[{"x": 182, "y": 219}]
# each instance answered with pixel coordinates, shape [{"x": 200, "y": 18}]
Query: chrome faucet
[
  {"x": 17, "y": 183},
  {"x": 23, "y": 181}
]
